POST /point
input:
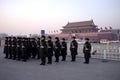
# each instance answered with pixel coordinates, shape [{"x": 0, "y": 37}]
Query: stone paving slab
[{"x": 31, "y": 70}]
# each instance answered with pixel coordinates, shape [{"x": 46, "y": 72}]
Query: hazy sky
[{"x": 29, "y": 16}]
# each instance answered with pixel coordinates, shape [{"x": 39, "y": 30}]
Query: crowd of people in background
[{"x": 23, "y": 49}]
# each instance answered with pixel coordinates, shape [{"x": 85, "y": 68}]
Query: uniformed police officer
[
  {"x": 23, "y": 46},
  {"x": 87, "y": 50},
  {"x": 10, "y": 47},
  {"x": 49, "y": 50},
  {"x": 34, "y": 46},
  {"x": 38, "y": 48},
  {"x": 63, "y": 49},
  {"x": 14, "y": 48},
  {"x": 27, "y": 47},
  {"x": 43, "y": 47},
  {"x": 19, "y": 51},
  {"x": 30, "y": 47},
  {"x": 6, "y": 48},
  {"x": 73, "y": 48},
  {"x": 57, "y": 48}
]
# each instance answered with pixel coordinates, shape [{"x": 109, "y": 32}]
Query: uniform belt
[
  {"x": 37, "y": 45},
  {"x": 23, "y": 46},
  {"x": 18, "y": 46},
  {"x": 49, "y": 47},
  {"x": 86, "y": 49},
  {"x": 56, "y": 47},
  {"x": 42, "y": 46},
  {"x": 13, "y": 45},
  {"x": 63, "y": 47},
  {"x": 73, "y": 46}
]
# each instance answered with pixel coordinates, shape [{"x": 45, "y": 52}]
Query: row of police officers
[{"x": 21, "y": 48}]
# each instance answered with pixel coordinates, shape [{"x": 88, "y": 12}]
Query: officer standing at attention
[
  {"x": 25, "y": 57},
  {"x": 73, "y": 48},
  {"x": 30, "y": 47},
  {"x": 14, "y": 48},
  {"x": 87, "y": 50},
  {"x": 63, "y": 49},
  {"x": 19, "y": 51},
  {"x": 34, "y": 47},
  {"x": 43, "y": 47},
  {"x": 57, "y": 48},
  {"x": 38, "y": 48},
  {"x": 6, "y": 48},
  {"x": 10, "y": 47},
  {"x": 49, "y": 50},
  {"x": 23, "y": 46}
]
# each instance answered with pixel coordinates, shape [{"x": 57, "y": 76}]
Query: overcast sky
[{"x": 29, "y": 16}]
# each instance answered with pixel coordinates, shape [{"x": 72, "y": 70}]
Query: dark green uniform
[
  {"x": 10, "y": 47},
  {"x": 14, "y": 48},
  {"x": 43, "y": 51},
  {"x": 34, "y": 48},
  {"x": 6, "y": 48},
  {"x": 30, "y": 49},
  {"x": 38, "y": 49},
  {"x": 86, "y": 51},
  {"x": 73, "y": 49},
  {"x": 57, "y": 48},
  {"x": 49, "y": 51},
  {"x": 63, "y": 50},
  {"x": 24, "y": 49},
  {"x": 19, "y": 48}
]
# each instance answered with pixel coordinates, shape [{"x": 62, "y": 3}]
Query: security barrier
[{"x": 102, "y": 51}]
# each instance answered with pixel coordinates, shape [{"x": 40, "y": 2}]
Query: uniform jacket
[
  {"x": 49, "y": 47},
  {"x": 87, "y": 49},
  {"x": 57, "y": 45},
  {"x": 74, "y": 47},
  {"x": 64, "y": 48},
  {"x": 43, "y": 47}
]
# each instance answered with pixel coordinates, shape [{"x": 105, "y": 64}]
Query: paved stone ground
[{"x": 31, "y": 70}]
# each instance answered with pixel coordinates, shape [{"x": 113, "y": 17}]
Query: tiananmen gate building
[{"x": 85, "y": 29}]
